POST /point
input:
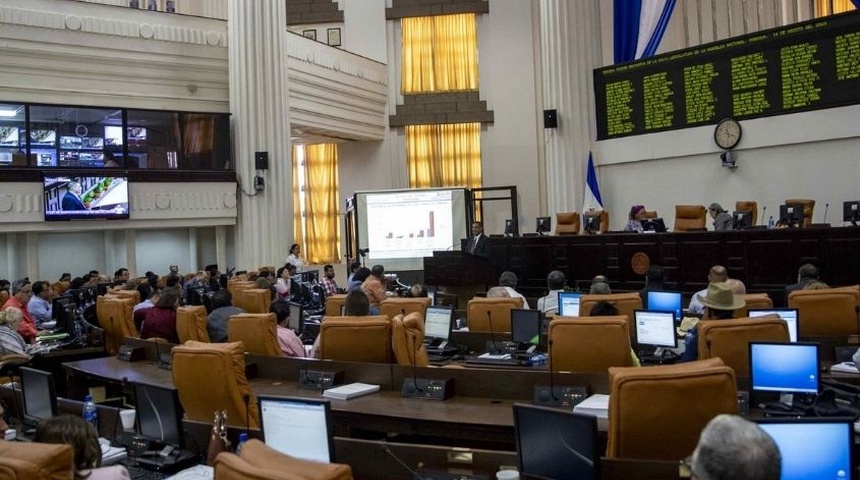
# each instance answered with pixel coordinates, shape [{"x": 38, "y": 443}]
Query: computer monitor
[
  {"x": 664, "y": 301},
  {"x": 194, "y": 295},
  {"x": 159, "y": 413},
  {"x": 655, "y": 328},
  {"x": 791, "y": 215},
  {"x": 556, "y": 444},
  {"x": 510, "y": 227},
  {"x": 437, "y": 322},
  {"x": 813, "y": 447},
  {"x": 592, "y": 224},
  {"x": 525, "y": 326},
  {"x": 309, "y": 276},
  {"x": 543, "y": 225},
  {"x": 851, "y": 212},
  {"x": 37, "y": 388},
  {"x": 299, "y": 427},
  {"x": 568, "y": 304},
  {"x": 296, "y": 320},
  {"x": 656, "y": 225},
  {"x": 741, "y": 219},
  {"x": 790, "y": 315},
  {"x": 784, "y": 367}
]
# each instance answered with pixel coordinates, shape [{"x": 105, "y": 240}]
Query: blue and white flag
[
  {"x": 592, "y": 200},
  {"x": 639, "y": 26}
]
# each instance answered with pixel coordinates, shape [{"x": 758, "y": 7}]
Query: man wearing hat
[{"x": 720, "y": 304}]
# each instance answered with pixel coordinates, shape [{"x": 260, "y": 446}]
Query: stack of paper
[
  {"x": 845, "y": 367},
  {"x": 596, "y": 405},
  {"x": 345, "y": 392}
]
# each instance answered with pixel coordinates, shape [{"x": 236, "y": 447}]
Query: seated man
[
  {"x": 549, "y": 303},
  {"x": 222, "y": 310},
  {"x": 374, "y": 287},
  {"x": 720, "y": 304},
  {"x": 731, "y": 448},
  {"x": 291, "y": 345},
  {"x": 717, "y": 274},
  {"x": 508, "y": 280},
  {"x": 806, "y": 274},
  {"x": 356, "y": 304}
]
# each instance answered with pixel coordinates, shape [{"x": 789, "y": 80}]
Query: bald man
[{"x": 717, "y": 274}]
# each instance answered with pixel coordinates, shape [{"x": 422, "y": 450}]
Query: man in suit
[
  {"x": 72, "y": 198},
  {"x": 478, "y": 241},
  {"x": 806, "y": 274}
]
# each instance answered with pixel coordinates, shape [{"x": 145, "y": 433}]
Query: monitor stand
[{"x": 786, "y": 398}]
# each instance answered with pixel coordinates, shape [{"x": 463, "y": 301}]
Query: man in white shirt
[
  {"x": 508, "y": 280},
  {"x": 717, "y": 274},
  {"x": 549, "y": 304}
]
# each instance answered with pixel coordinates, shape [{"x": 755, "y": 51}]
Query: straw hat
[{"x": 721, "y": 297}]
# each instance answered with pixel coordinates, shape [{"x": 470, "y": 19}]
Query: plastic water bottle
[
  {"x": 91, "y": 415},
  {"x": 243, "y": 437},
  {"x": 770, "y": 222}
]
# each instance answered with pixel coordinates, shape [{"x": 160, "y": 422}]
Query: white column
[
  {"x": 32, "y": 256},
  {"x": 131, "y": 252},
  {"x": 260, "y": 123},
  {"x": 192, "y": 250},
  {"x": 570, "y": 46},
  {"x": 221, "y": 247}
]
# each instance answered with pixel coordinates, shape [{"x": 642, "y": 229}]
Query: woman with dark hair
[
  {"x": 360, "y": 276},
  {"x": 74, "y": 431},
  {"x": 160, "y": 320},
  {"x": 293, "y": 257},
  {"x": 634, "y": 222}
]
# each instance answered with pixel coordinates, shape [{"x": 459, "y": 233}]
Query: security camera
[{"x": 728, "y": 159}]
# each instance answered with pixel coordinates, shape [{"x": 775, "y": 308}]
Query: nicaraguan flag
[
  {"x": 639, "y": 26},
  {"x": 592, "y": 200}
]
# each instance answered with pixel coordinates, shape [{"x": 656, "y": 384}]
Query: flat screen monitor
[
  {"x": 556, "y": 444},
  {"x": 656, "y": 225},
  {"x": 784, "y": 367},
  {"x": 664, "y": 301},
  {"x": 741, "y": 219},
  {"x": 543, "y": 224},
  {"x": 592, "y": 224},
  {"x": 308, "y": 276},
  {"x": 437, "y": 322},
  {"x": 37, "y": 388},
  {"x": 525, "y": 326},
  {"x": 75, "y": 197},
  {"x": 851, "y": 211},
  {"x": 299, "y": 427},
  {"x": 790, "y": 315},
  {"x": 510, "y": 227},
  {"x": 654, "y": 328},
  {"x": 791, "y": 215},
  {"x": 159, "y": 413},
  {"x": 63, "y": 312},
  {"x": 568, "y": 304},
  {"x": 813, "y": 447},
  {"x": 296, "y": 320}
]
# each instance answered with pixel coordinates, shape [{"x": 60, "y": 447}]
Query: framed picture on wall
[
  {"x": 334, "y": 37},
  {"x": 312, "y": 34}
]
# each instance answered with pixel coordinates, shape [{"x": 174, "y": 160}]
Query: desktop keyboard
[{"x": 140, "y": 473}]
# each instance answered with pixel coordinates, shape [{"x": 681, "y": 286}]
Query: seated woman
[
  {"x": 73, "y": 430},
  {"x": 11, "y": 342},
  {"x": 722, "y": 219},
  {"x": 634, "y": 223},
  {"x": 160, "y": 320}
]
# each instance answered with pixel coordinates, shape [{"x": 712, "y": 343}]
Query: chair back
[
  {"x": 334, "y": 304},
  {"x": 407, "y": 339},
  {"x": 590, "y": 344},
  {"x": 234, "y": 286},
  {"x": 689, "y": 217},
  {"x": 730, "y": 339},
  {"x": 191, "y": 323},
  {"x": 253, "y": 300},
  {"x": 133, "y": 294},
  {"x": 356, "y": 339},
  {"x": 808, "y": 207},
  {"x": 257, "y": 331},
  {"x": 480, "y": 310},
  {"x": 750, "y": 206},
  {"x": 754, "y": 301},
  {"x": 643, "y": 400},
  {"x": 59, "y": 288},
  {"x": 626, "y": 303},
  {"x": 567, "y": 223},
  {"x": 116, "y": 316},
  {"x": 211, "y": 376},
  {"x": 650, "y": 214},
  {"x": 832, "y": 311},
  {"x": 393, "y": 306},
  {"x": 260, "y": 462},
  {"x": 36, "y": 461}
]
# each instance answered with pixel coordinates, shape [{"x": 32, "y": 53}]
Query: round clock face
[{"x": 727, "y": 133}]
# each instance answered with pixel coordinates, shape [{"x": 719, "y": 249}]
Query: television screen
[
  {"x": 741, "y": 220},
  {"x": 85, "y": 197},
  {"x": 787, "y": 314},
  {"x": 43, "y": 138},
  {"x": 784, "y": 367},
  {"x": 437, "y": 322},
  {"x": 813, "y": 447},
  {"x": 670, "y": 301},
  {"x": 851, "y": 211},
  {"x": 113, "y": 136},
  {"x": 70, "y": 142},
  {"x": 9, "y": 136},
  {"x": 655, "y": 328},
  {"x": 555, "y": 444},
  {"x": 299, "y": 427},
  {"x": 93, "y": 143},
  {"x": 568, "y": 304}
]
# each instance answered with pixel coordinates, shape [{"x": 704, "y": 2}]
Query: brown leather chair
[
  {"x": 235, "y": 286},
  {"x": 356, "y": 339},
  {"x": 604, "y": 220},
  {"x": 334, "y": 304},
  {"x": 59, "y": 288},
  {"x": 211, "y": 376},
  {"x": 191, "y": 323},
  {"x": 407, "y": 339},
  {"x": 688, "y": 217},
  {"x": 646, "y": 401},
  {"x": 754, "y": 301},
  {"x": 4, "y": 296},
  {"x": 567, "y": 223},
  {"x": 253, "y": 300},
  {"x": 258, "y": 331},
  {"x": 116, "y": 316},
  {"x": 393, "y": 306},
  {"x": 259, "y": 462},
  {"x": 730, "y": 339},
  {"x": 133, "y": 294},
  {"x": 650, "y": 214},
  {"x": 480, "y": 309},
  {"x": 626, "y": 303},
  {"x": 808, "y": 206},
  {"x": 589, "y": 344},
  {"x": 831, "y": 311},
  {"x": 750, "y": 206},
  {"x": 36, "y": 461}
]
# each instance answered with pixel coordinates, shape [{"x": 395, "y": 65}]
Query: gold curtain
[
  {"x": 298, "y": 221},
  {"x": 444, "y": 155},
  {"x": 823, "y": 7},
  {"x": 322, "y": 222},
  {"x": 439, "y": 54}
]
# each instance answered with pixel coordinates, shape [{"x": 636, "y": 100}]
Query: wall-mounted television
[{"x": 75, "y": 197}]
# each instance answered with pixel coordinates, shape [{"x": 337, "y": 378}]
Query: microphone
[
  {"x": 763, "y": 214},
  {"x": 414, "y": 363},
  {"x": 247, "y": 399},
  {"x": 826, "y": 206},
  {"x": 494, "y": 349},
  {"x": 551, "y": 380},
  {"x": 387, "y": 450}
]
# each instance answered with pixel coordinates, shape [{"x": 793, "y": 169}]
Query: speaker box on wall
[
  {"x": 550, "y": 119},
  {"x": 261, "y": 160}
]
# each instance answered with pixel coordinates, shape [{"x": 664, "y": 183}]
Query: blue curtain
[
  {"x": 856, "y": 4},
  {"x": 626, "y": 29}
]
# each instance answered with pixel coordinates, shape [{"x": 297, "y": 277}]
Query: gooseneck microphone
[
  {"x": 247, "y": 399},
  {"x": 495, "y": 349},
  {"x": 414, "y": 363},
  {"x": 403, "y": 464},
  {"x": 826, "y": 206},
  {"x": 763, "y": 214},
  {"x": 551, "y": 380}
]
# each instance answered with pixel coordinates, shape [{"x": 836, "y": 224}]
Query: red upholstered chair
[{"x": 688, "y": 217}]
